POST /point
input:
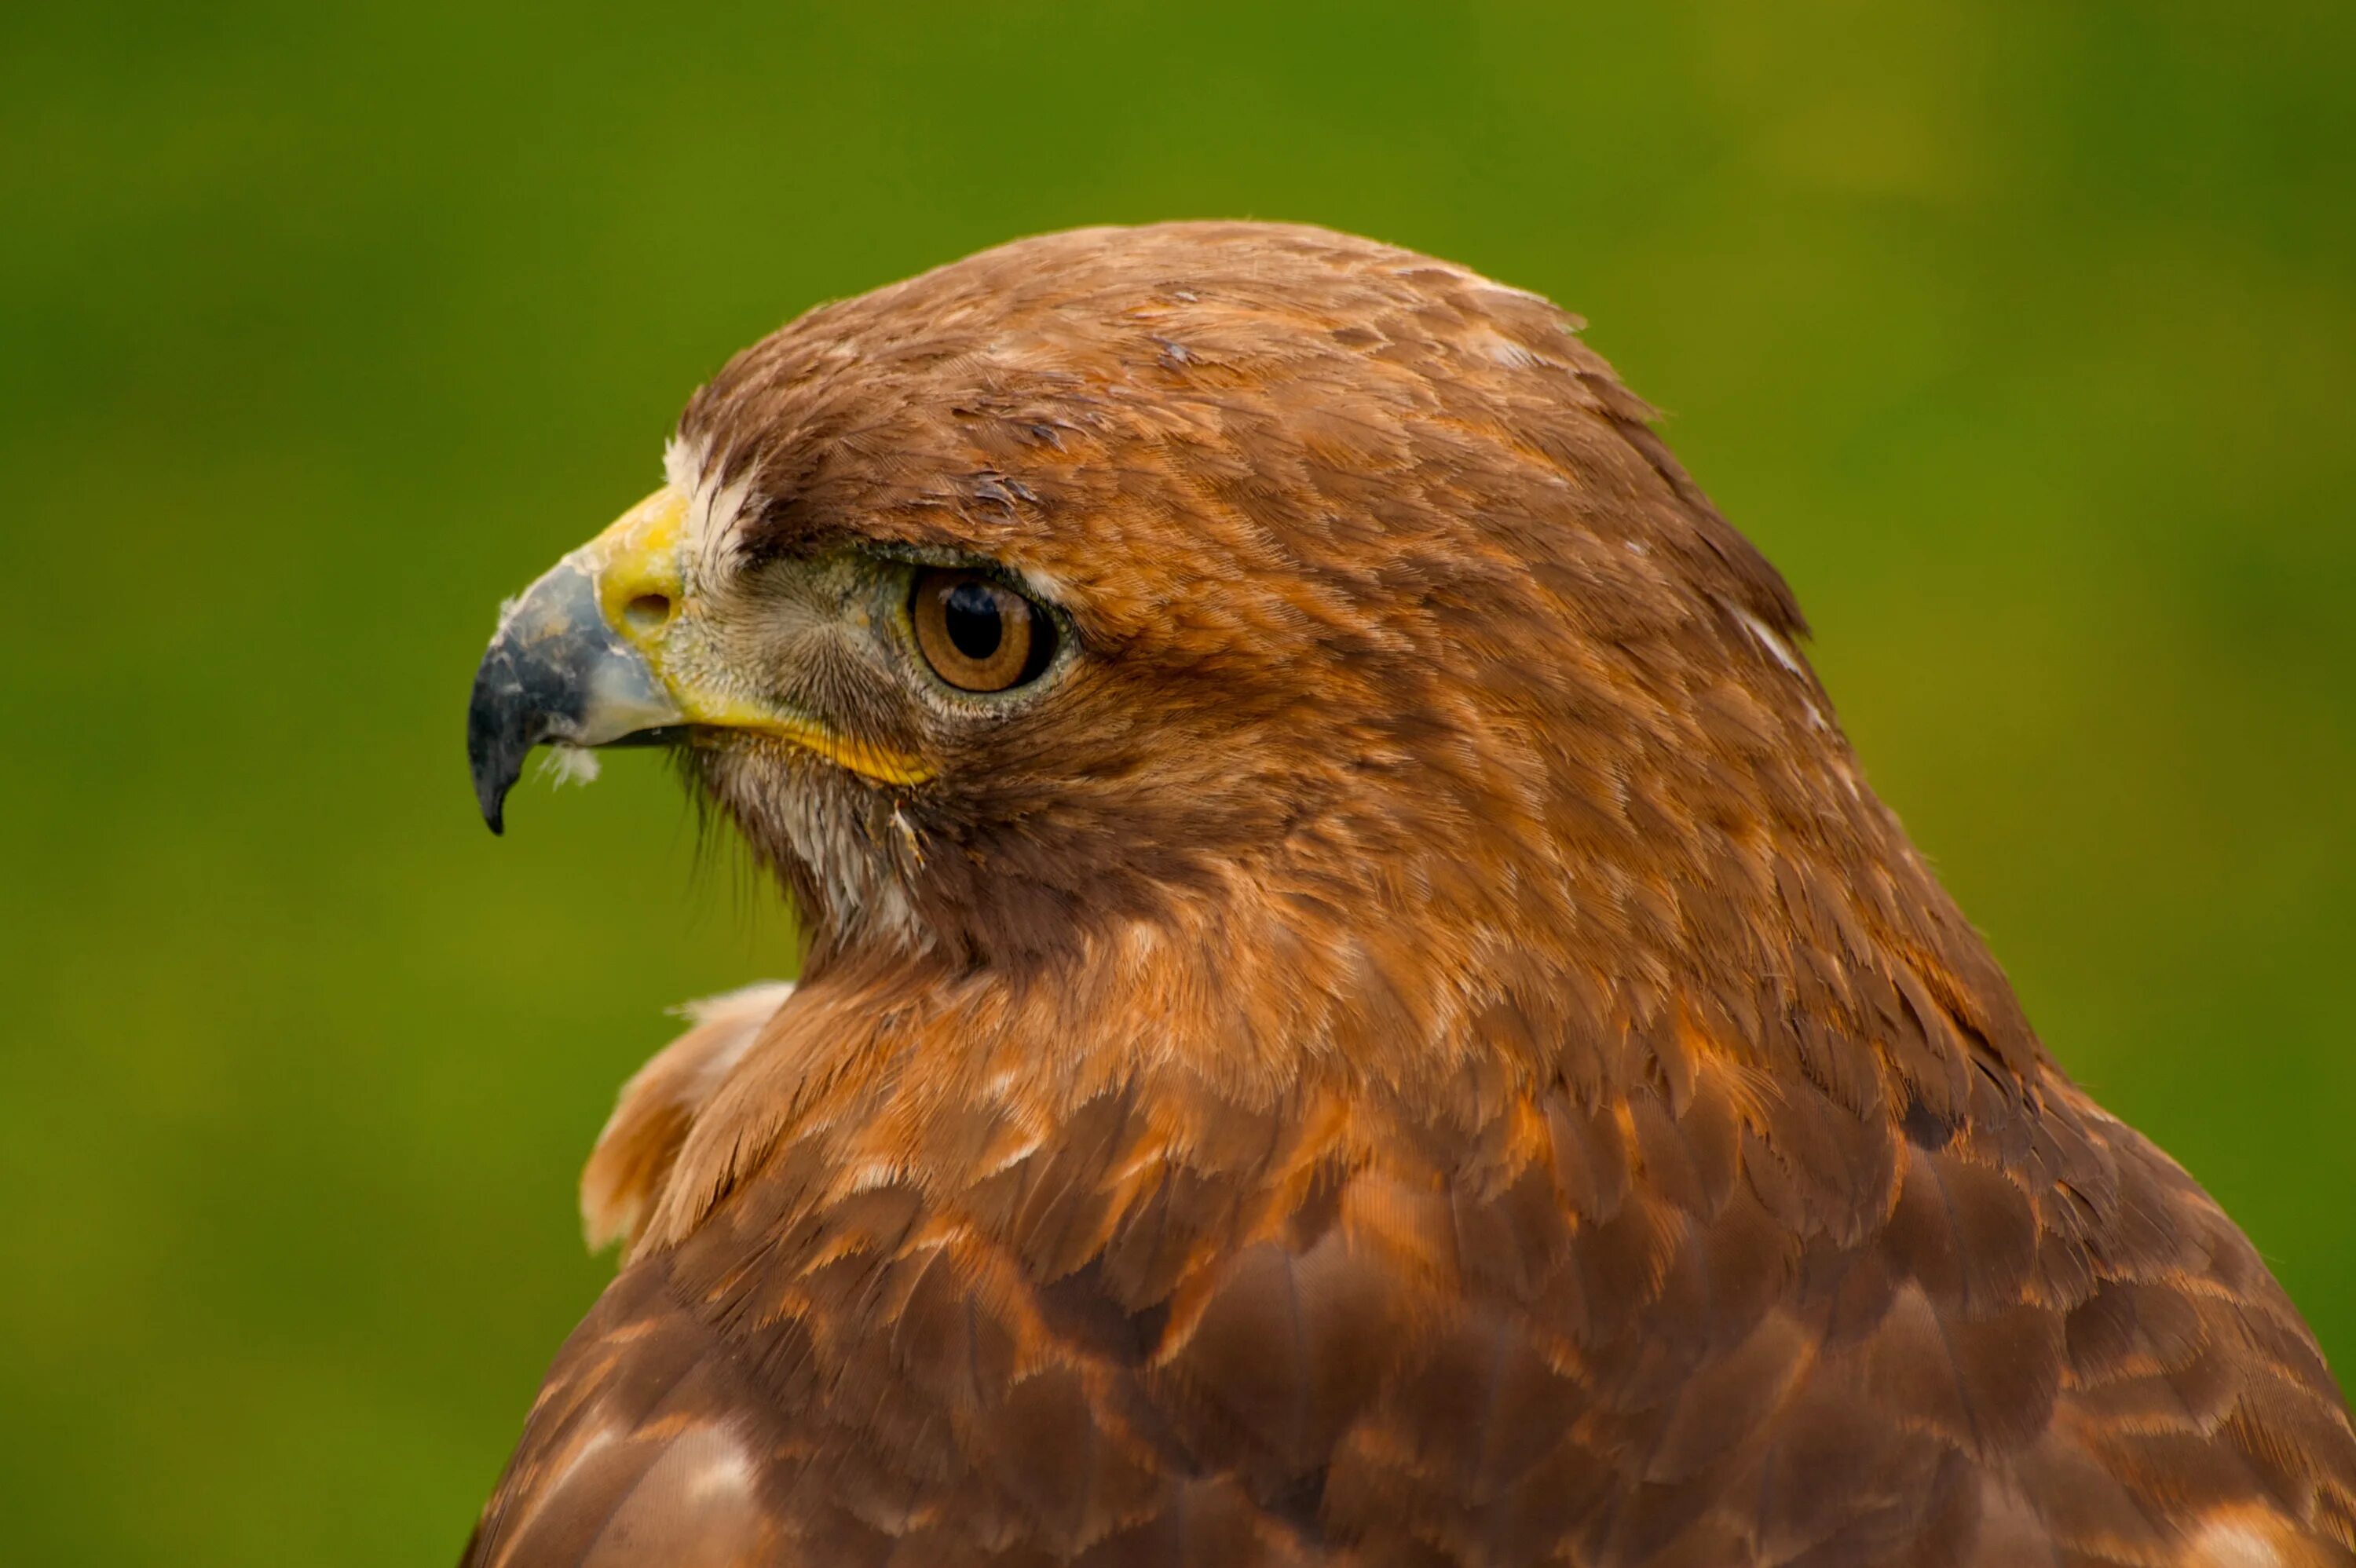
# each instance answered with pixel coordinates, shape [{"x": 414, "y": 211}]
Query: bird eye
[{"x": 978, "y": 635}]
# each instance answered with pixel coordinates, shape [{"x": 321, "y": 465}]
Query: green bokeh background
[{"x": 2022, "y": 336}]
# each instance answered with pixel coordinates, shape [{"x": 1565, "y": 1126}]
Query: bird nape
[{"x": 1357, "y": 1007}]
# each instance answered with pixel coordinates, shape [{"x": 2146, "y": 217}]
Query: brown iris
[{"x": 978, "y": 635}]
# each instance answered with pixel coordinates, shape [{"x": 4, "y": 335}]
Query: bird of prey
[{"x": 1356, "y": 1007}]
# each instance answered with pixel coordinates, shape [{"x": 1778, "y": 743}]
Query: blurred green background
[{"x": 2022, "y": 336}]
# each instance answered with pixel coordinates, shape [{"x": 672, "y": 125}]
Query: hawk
[{"x": 1357, "y": 1008}]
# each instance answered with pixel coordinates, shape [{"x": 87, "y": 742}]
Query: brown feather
[{"x": 1421, "y": 1049}]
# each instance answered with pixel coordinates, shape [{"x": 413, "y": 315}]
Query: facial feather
[{"x": 1311, "y": 639}]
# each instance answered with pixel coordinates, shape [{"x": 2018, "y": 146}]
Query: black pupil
[{"x": 970, "y": 616}]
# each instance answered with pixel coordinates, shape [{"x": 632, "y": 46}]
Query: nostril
[{"x": 648, "y": 612}]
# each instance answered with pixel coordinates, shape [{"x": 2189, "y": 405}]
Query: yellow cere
[
  {"x": 641, "y": 590},
  {"x": 636, "y": 559}
]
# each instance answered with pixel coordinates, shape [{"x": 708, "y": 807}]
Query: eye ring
[{"x": 978, "y": 634}]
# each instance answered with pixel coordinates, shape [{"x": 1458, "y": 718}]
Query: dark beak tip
[
  {"x": 490, "y": 799},
  {"x": 494, "y": 768},
  {"x": 502, "y": 726},
  {"x": 534, "y": 682}
]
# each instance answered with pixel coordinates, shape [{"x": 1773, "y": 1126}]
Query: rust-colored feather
[
  {"x": 1423, "y": 1050},
  {"x": 631, "y": 1163}
]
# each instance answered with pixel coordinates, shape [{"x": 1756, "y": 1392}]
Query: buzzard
[{"x": 1356, "y": 1006}]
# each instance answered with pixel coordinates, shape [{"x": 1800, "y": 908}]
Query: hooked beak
[
  {"x": 561, "y": 668},
  {"x": 604, "y": 650}
]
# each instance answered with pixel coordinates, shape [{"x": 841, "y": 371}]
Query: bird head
[{"x": 1259, "y": 583}]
